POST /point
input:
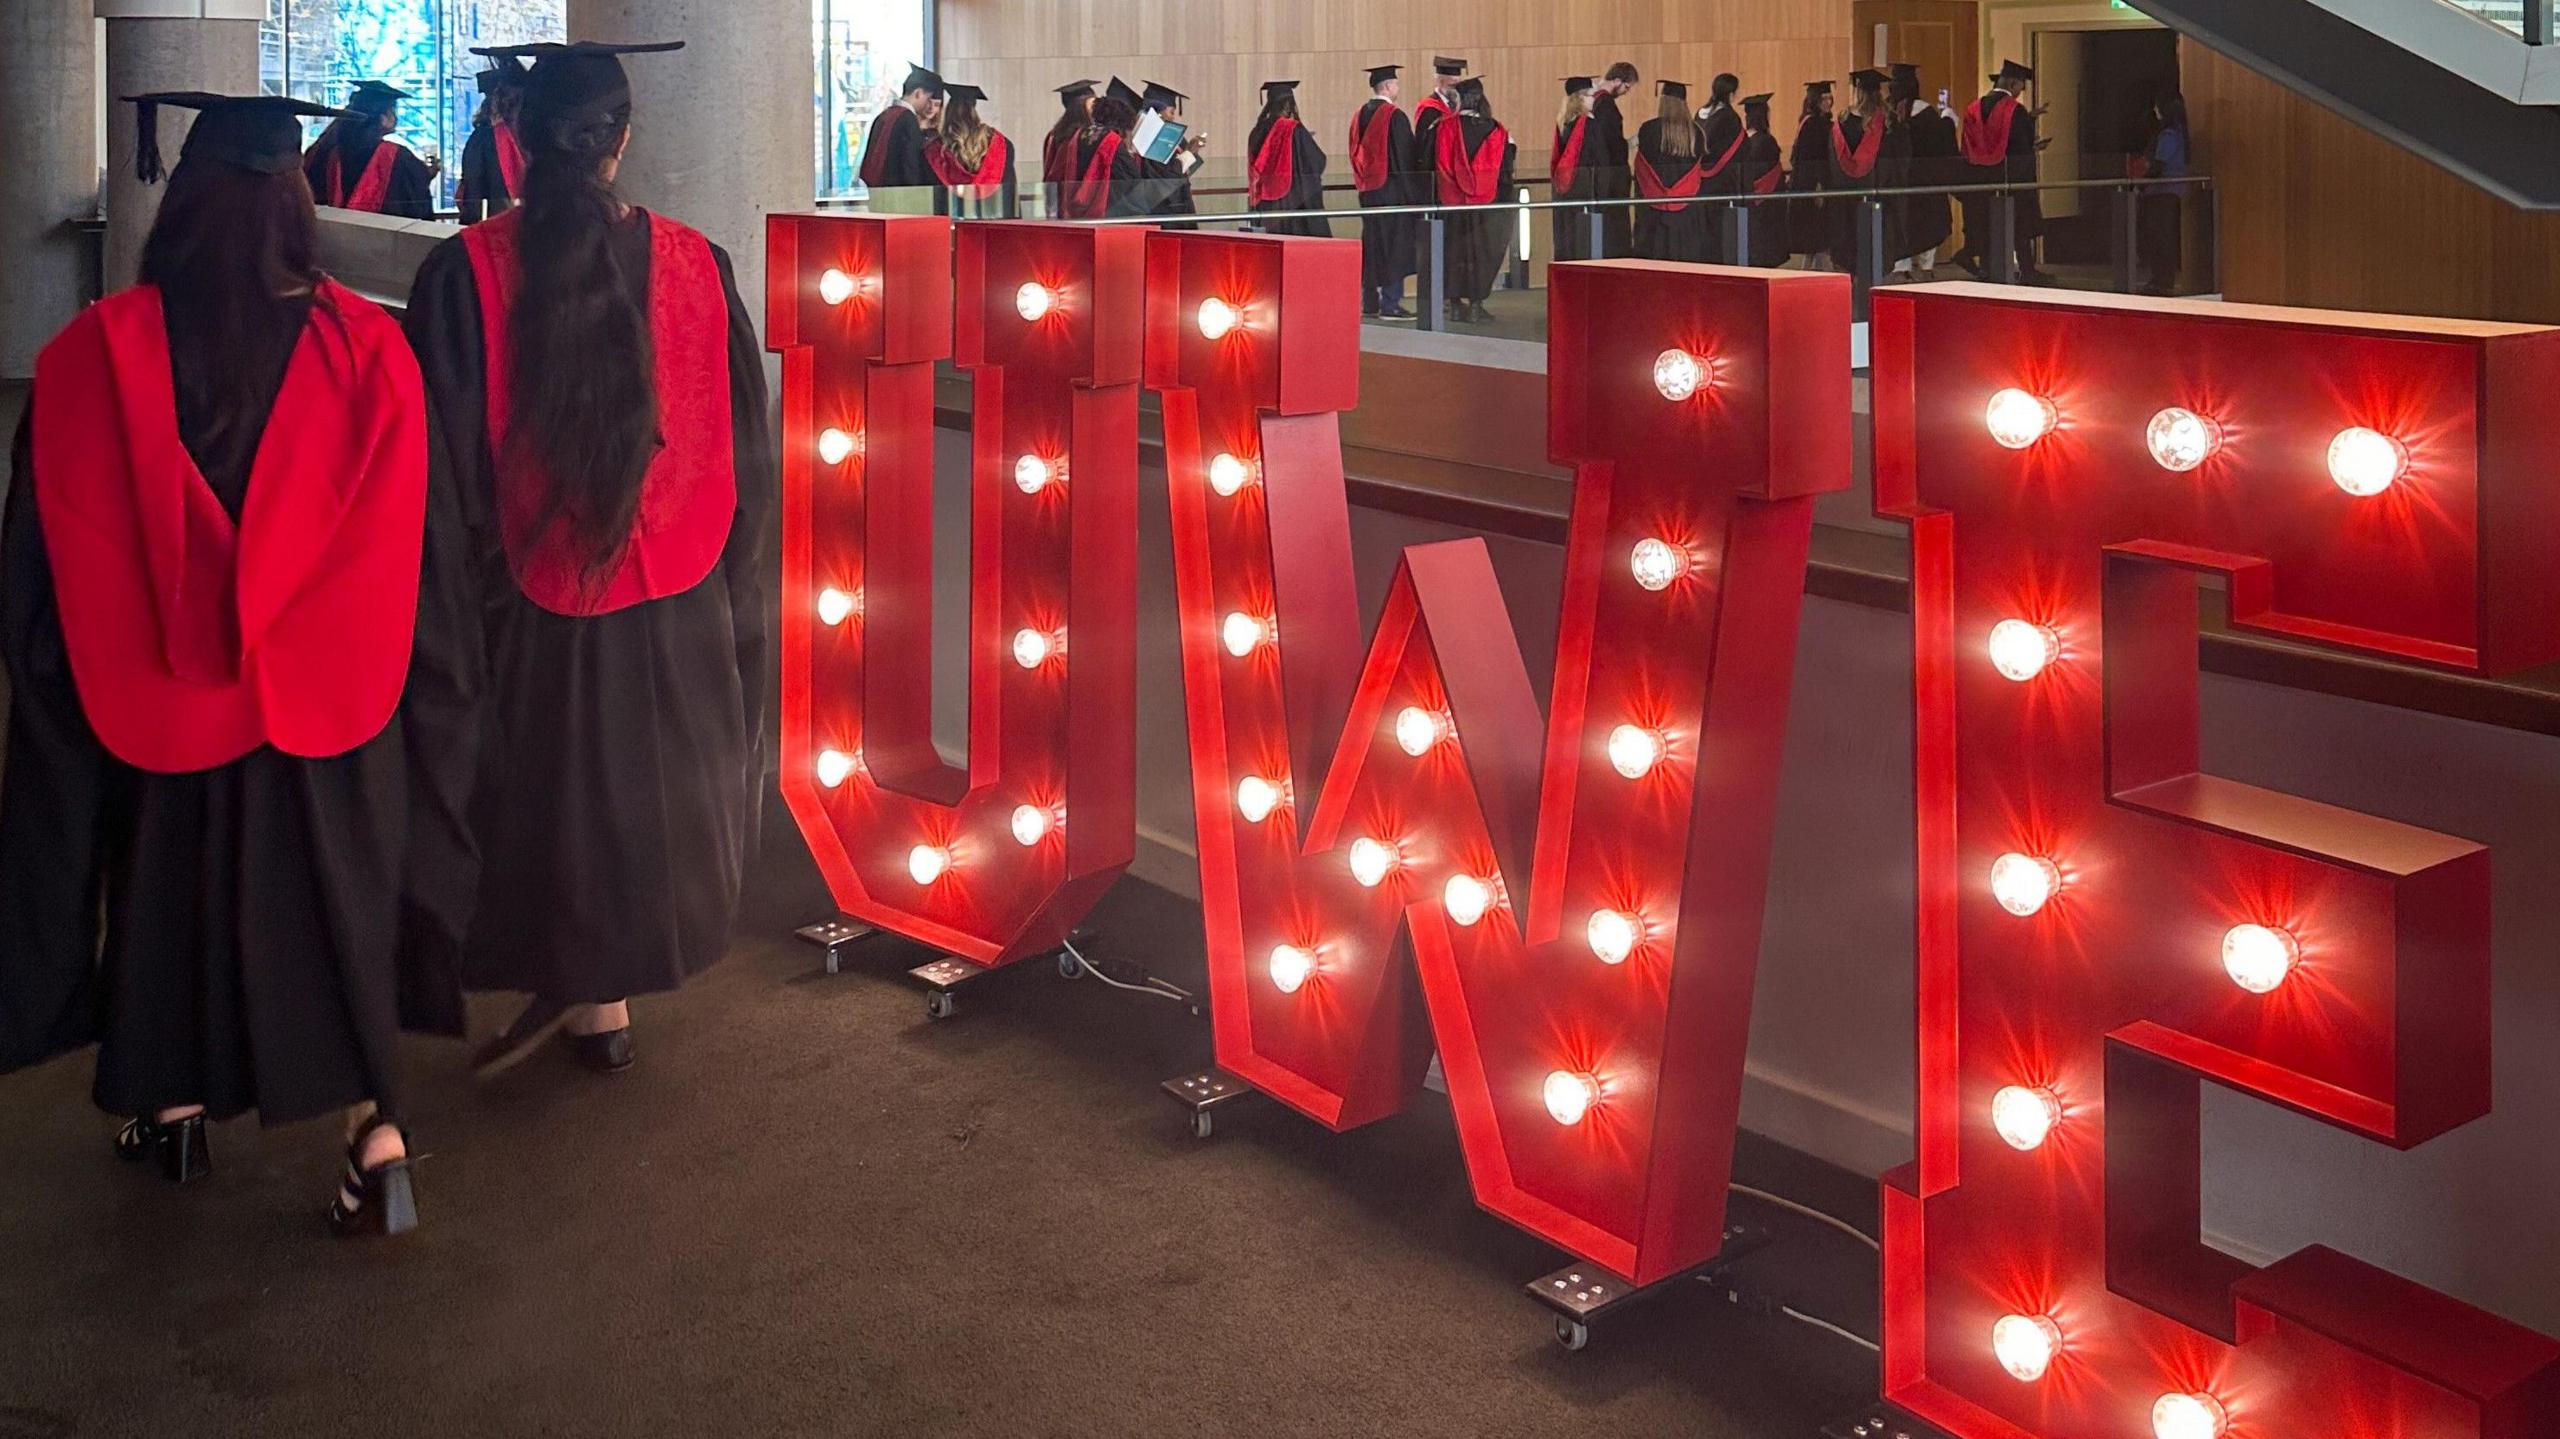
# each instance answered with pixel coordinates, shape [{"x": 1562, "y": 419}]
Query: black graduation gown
[
  {"x": 1811, "y": 227},
  {"x": 234, "y": 937},
  {"x": 1387, "y": 242},
  {"x": 622, "y": 755},
  {"x": 1845, "y": 212},
  {"x": 1768, "y": 217},
  {"x": 1934, "y": 159},
  {"x": 1616, "y": 178},
  {"x": 893, "y": 153},
  {"x": 411, "y": 194},
  {"x": 1306, "y": 182},
  {"x": 482, "y": 190},
  {"x": 2019, "y": 165},
  {"x": 1573, "y": 227},
  {"x": 1131, "y": 192},
  {"x": 1723, "y": 126},
  {"x": 1479, "y": 236},
  {"x": 1004, "y": 204},
  {"x": 1687, "y": 233}
]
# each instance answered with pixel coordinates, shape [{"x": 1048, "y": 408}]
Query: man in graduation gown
[
  {"x": 356, "y": 165},
  {"x": 1921, "y": 153},
  {"x": 493, "y": 158},
  {"x": 1998, "y": 135},
  {"x": 1169, "y": 181},
  {"x": 1474, "y": 170},
  {"x": 1382, "y": 168},
  {"x": 1763, "y": 171},
  {"x": 893, "y": 153},
  {"x": 1615, "y": 175},
  {"x": 230, "y": 747},
  {"x": 1284, "y": 164}
]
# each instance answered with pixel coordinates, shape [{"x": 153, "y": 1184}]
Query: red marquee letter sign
[
  {"x": 1001, "y": 859},
  {"x": 1591, "y": 1022},
  {"x": 2105, "y": 927}
]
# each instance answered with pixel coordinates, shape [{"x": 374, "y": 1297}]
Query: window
[
  {"x": 317, "y": 49},
  {"x": 864, "y": 49}
]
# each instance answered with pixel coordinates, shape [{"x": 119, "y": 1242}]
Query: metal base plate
[
  {"x": 1882, "y": 1421},
  {"x": 947, "y": 973},
  {"x": 1587, "y": 1291},
  {"x": 1206, "y": 1090},
  {"x": 832, "y": 933}
]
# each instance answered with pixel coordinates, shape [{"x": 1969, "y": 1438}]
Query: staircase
[{"x": 2473, "y": 85}]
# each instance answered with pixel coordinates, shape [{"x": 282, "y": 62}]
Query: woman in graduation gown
[
  {"x": 1285, "y": 165},
  {"x": 1858, "y": 142},
  {"x": 1721, "y": 133},
  {"x": 356, "y": 165},
  {"x": 1108, "y": 178},
  {"x": 493, "y": 158},
  {"x": 1762, "y": 170},
  {"x": 1058, "y": 150},
  {"x": 971, "y": 160},
  {"x": 600, "y": 412},
  {"x": 234, "y": 617},
  {"x": 1574, "y": 169},
  {"x": 1926, "y": 140},
  {"x": 1811, "y": 227},
  {"x": 1671, "y": 170},
  {"x": 1475, "y": 158}
]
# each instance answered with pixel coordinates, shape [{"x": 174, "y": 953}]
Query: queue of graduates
[{"x": 356, "y": 662}]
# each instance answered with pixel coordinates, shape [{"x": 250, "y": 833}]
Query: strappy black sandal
[
  {"x": 386, "y": 1197},
  {"x": 184, "y": 1150}
]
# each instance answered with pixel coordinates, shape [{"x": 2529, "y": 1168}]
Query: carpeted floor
[{"x": 812, "y": 1211}]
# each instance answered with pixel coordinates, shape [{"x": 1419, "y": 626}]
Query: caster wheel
[
  {"x": 835, "y": 962},
  {"x": 1069, "y": 967},
  {"x": 941, "y": 1004},
  {"x": 1203, "y": 1124},
  {"x": 1573, "y": 1334}
]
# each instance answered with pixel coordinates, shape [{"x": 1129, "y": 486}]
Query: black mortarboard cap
[
  {"x": 258, "y": 133},
  {"x": 959, "y": 94},
  {"x": 577, "y": 84},
  {"x": 1762, "y": 99},
  {"x": 1867, "y": 79},
  {"x": 1817, "y": 87},
  {"x": 1161, "y": 96},
  {"x": 1381, "y": 74},
  {"x": 1273, "y": 89},
  {"x": 1443, "y": 65},
  {"x": 1470, "y": 92},
  {"x": 372, "y": 97},
  {"x": 1905, "y": 70},
  {"x": 1672, "y": 89},
  {"x": 1123, "y": 90},
  {"x": 500, "y": 76},
  {"x": 2012, "y": 70},
  {"x": 920, "y": 78},
  {"x": 1078, "y": 89},
  {"x": 1576, "y": 84}
]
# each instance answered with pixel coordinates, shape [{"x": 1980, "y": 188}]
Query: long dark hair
[
  {"x": 237, "y": 251},
  {"x": 1072, "y": 118},
  {"x": 585, "y": 408}
]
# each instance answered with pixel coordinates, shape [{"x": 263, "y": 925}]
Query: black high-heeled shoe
[
  {"x": 184, "y": 1150},
  {"x": 386, "y": 1195}
]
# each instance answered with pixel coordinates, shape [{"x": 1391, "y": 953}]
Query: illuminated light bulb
[
  {"x": 1372, "y": 860},
  {"x": 1034, "y": 301},
  {"x": 2189, "y": 1416},
  {"x": 1418, "y": 729},
  {"x": 2365, "y": 462},
  {"x": 834, "y": 767},
  {"x": 1228, "y": 475},
  {"x": 2024, "y": 883},
  {"x": 2021, "y": 650},
  {"x": 927, "y": 863},
  {"x": 1243, "y": 633},
  {"x": 1032, "y": 474},
  {"x": 2025, "y": 1345},
  {"x": 2258, "y": 958},
  {"x": 835, "y": 606},
  {"x": 2182, "y": 439},
  {"x": 2024, "y": 1117},
  {"x": 1218, "y": 318},
  {"x": 1467, "y": 898},
  {"x": 2018, "y": 419},
  {"x": 1291, "y": 967},
  {"x": 1570, "y": 1096},
  {"x": 1658, "y": 564},
  {"x": 1635, "y": 750},
  {"x": 1677, "y": 374},
  {"x": 835, "y": 446},
  {"x": 1031, "y": 824},
  {"x": 835, "y": 287},
  {"x": 1032, "y": 649},
  {"x": 1256, "y": 798},
  {"x": 1612, "y": 935}
]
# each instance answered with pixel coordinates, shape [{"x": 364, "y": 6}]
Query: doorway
[{"x": 2098, "y": 87}]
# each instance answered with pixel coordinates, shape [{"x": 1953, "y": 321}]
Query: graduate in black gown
[
  {"x": 1383, "y": 170},
  {"x": 1615, "y": 175},
  {"x": 1924, "y": 145},
  {"x": 971, "y": 161},
  {"x": 893, "y": 153},
  {"x": 1811, "y": 227},
  {"x": 1671, "y": 171},
  {"x": 493, "y": 158},
  {"x": 1441, "y": 104},
  {"x": 1721, "y": 130},
  {"x": 1108, "y": 177},
  {"x": 1058, "y": 149},
  {"x": 1284, "y": 164},
  {"x": 600, "y": 412},
  {"x": 1475, "y": 162},
  {"x": 356, "y": 165},
  {"x": 1998, "y": 137},
  {"x": 1763, "y": 171},
  {"x": 1168, "y": 182},
  {"x": 1858, "y": 141},
  {"x": 217, "y": 792},
  {"x": 1573, "y": 170}
]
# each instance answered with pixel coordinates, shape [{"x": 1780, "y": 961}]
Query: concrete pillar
[
  {"x": 48, "y": 171},
  {"x": 722, "y": 131},
  {"x": 157, "y": 45}
]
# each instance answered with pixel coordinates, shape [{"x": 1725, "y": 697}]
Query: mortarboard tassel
[{"x": 146, "y": 143}]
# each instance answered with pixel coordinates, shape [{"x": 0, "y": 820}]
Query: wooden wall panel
[
  {"x": 2315, "y": 210},
  {"x": 1220, "y": 51}
]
